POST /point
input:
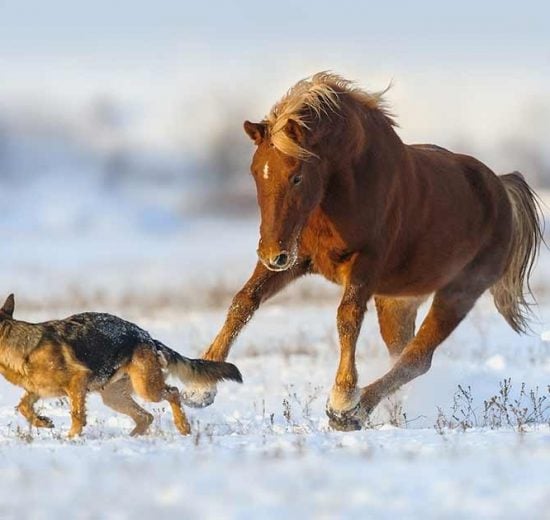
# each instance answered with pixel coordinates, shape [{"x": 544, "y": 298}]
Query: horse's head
[
  {"x": 289, "y": 187},
  {"x": 320, "y": 121}
]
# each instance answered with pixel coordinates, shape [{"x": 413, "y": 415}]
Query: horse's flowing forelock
[{"x": 321, "y": 94}]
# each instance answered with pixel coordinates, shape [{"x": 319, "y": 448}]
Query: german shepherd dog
[{"x": 96, "y": 352}]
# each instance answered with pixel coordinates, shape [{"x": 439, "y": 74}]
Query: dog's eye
[{"x": 297, "y": 179}]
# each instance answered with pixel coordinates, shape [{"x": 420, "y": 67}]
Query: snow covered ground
[{"x": 264, "y": 450}]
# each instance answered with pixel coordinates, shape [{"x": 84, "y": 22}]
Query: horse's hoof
[
  {"x": 348, "y": 420},
  {"x": 349, "y": 425},
  {"x": 196, "y": 398}
]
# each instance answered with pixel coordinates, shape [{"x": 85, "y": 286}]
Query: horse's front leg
[
  {"x": 261, "y": 285},
  {"x": 343, "y": 405}
]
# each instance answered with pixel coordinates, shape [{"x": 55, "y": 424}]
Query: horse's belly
[
  {"x": 422, "y": 277},
  {"x": 407, "y": 287}
]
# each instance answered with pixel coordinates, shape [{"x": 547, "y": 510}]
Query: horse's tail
[
  {"x": 189, "y": 370},
  {"x": 510, "y": 293}
]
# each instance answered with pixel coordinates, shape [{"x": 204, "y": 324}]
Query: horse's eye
[{"x": 297, "y": 179}]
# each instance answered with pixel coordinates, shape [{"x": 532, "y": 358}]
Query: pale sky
[{"x": 497, "y": 29}]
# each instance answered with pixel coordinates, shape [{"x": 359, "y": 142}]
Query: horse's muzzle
[{"x": 279, "y": 262}]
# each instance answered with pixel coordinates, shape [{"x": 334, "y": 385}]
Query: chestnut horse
[{"x": 342, "y": 196}]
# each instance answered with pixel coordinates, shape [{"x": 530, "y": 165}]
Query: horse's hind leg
[
  {"x": 396, "y": 317},
  {"x": 449, "y": 307},
  {"x": 26, "y": 409},
  {"x": 148, "y": 382},
  {"x": 118, "y": 396}
]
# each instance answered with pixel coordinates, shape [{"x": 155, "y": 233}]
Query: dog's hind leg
[
  {"x": 76, "y": 391},
  {"x": 118, "y": 396},
  {"x": 148, "y": 382},
  {"x": 26, "y": 409},
  {"x": 172, "y": 395}
]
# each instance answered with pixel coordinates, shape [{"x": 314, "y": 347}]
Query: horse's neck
[
  {"x": 368, "y": 180},
  {"x": 364, "y": 193}
]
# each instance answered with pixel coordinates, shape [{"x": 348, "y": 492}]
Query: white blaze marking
[{"x": 266, "y": 170}]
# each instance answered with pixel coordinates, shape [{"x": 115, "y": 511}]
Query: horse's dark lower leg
[
  {"x": 262, "y": 285},
  {"x": 449, "y": 307},
  {"x": 344, "y": 396},
  {"x": 396, "y": 317}
]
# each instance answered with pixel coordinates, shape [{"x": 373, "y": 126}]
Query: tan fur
[
  {"x": 118, "y": 396},
  {"x": 146, "y": 374},
  {"x": 18, "y": 340},
  {"x": 96, "y": 352},
  {"x": 26, "y": 409},
  {"x": 50, "y": 370}
]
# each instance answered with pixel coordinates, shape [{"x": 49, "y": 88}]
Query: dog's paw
[
  {"x": 43, "y": 422},
  {"x": 76, "y": 431},
  {"x": 199, "y": 397}
]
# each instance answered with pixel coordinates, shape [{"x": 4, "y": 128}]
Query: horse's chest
[
  {"x": 335, "y": 271},
  {"x": 328, "y": 255}
]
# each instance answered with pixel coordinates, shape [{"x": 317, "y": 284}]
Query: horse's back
[
  {"x": 456, "y": 209},
  {"x": 467, "y": 196},
  {"x": 429, "y": 146},
  {"x": 458, "y": 179}
]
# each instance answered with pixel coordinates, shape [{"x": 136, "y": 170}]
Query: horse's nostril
[{"x": 281, "y": 260}]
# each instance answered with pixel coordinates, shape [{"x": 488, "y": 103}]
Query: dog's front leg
[{"x": 26, "y": 409}]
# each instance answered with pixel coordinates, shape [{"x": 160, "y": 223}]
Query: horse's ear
[
  {"x": 256, "y": 131},
  {"x": 9, "y": 306},
  {"x": 294, "y": 131}
]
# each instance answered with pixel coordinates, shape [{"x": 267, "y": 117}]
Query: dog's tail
[
  {"x": 197, "y": 370},
  {"x": 511, "y": 291}
]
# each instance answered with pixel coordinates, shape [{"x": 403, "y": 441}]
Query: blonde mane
[{"x": 321, "y": 93}]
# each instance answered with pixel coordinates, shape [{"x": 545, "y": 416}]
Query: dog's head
[{"x": 6, "y": 312}]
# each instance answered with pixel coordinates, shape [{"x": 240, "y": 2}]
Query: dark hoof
[
  {"x": 347, "y": 421},
  {"x": 349, "y": 425}
]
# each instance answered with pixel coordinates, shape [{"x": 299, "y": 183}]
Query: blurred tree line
[{"x": 97, "y": 143}]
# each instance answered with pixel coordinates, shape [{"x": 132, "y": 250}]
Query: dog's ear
[{"x": 9, "y": 306}]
